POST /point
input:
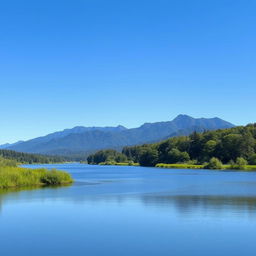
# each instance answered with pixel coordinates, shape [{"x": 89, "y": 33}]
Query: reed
[
  {"x": 180, "y": 166},
  {"x": 11, "y": 176}
]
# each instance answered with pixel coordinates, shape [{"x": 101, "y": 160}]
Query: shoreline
[{"x": 184, "y": 166}]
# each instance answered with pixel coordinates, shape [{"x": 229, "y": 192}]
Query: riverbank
[
  {"x": 119, "y": 164},
  {"x": 12, "y": 176},
  {"x": 188, "y": 166},
  {"x": 194, "y": 166}
]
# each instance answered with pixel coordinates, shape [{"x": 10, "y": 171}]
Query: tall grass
[
  {"x": 119, "y": 164},
  {"x": 197, "y": 166},
  {"x": 180, "y": 166},
  {"x": 7, "y": 162},
  {"x": 13, "y": 176},
  {"x": 243, "y": 168}
]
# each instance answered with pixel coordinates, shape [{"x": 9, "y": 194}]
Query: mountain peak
[
  {"x": 182, "y": 117},
  {"x": 121, "y": 127}
]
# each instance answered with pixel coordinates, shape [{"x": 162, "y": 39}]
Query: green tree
[
  {"x": 252, "y": 159},
  {"x": 241, "y": 163},
  {"x": 230, "y": 147},
  {"x": 109, "y": 155},
  {"x": 210, "y": 147},
  {"x": 196, "y": 145},
  {"x": 214, "y": 163},
  {"x": 121, "y": 158},
  {"x": 175, "y": 156},
  {"x": 149, "y": 157}
]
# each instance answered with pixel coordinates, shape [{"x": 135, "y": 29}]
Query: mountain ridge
[{"x": 90, "y": 139}]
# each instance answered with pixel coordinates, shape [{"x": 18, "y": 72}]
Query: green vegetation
[
  {"x": 7, "y": 162},
  {"x": 13, "y": 176},
  {"x": 214, "y": 163},
  {"x": 119, "y": 164},
  {"x": 250, "y": 168},
  {"x": 233, "y": 148},
  {"x": 107, "y": 156},
  {"x": 198, "y": 166},
  {"x": 180, "y": 166},
  {"x": 26, "y": 158},
  {"x": 240, "y": 164}
]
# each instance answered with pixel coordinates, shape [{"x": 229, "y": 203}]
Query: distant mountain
[
  {"x": 3, "y": 146},
  {"x": 90, "y": 139},
  {"x": 47, "y": 144}
]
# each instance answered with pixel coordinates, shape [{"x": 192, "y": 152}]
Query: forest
[
  {"x": 234, "y": 146},
  {"x": 25, "y": 158}
]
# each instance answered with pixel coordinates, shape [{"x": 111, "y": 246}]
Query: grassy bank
[
  {"x": 188, "y": 166},
  {"x": 180, "y": 166},
  {"x": 12, "y": 176},
  {"x": 193, "y": 166},
  {"x": 244, "y": 168},
  {"x": 119, "y": 164}
]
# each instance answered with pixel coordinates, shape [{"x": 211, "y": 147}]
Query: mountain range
[
  {"x": 85, "y": 140},
  {"x": 4, "y": 146}
]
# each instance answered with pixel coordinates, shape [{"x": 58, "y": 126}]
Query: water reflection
[
  {"x": 133, "y": 211},
  {"x": 28, "y": 193},
  {"x": 183, "y": 204},
  {"x": 186, "y": 191},
  {"x": 187, "y": 204}
]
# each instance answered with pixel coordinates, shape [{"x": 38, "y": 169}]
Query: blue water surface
[{"x": 112, "y": 210}]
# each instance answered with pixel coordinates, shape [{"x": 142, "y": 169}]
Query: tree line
[
  {"x": 26, "y": 158},
  {"x": 226, "y": 146}
]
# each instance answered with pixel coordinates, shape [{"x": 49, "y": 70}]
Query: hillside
[{"x": 90, "y": 139}]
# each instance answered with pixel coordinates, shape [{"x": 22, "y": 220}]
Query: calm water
[{"x": 133, "y": 211}]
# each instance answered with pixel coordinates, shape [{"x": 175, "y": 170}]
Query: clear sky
[{"x": 101, "y": 63}]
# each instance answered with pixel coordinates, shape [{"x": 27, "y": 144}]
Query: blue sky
[{"x": 101, "y": 63}]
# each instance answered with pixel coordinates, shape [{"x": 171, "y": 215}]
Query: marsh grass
[
  {"x": 180, "y": 166},
  {"x": 11, "y": 176},
  {"x": 243, "y": 168},
  {"x": 119, "y": 164},
  {"x": 197, "y": 166}
]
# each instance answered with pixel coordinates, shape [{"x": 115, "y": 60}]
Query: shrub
[
  {"x": 55, "y": 177},
  {"x": 241, "y": 163},
  {"x": 214, "y": 164}
]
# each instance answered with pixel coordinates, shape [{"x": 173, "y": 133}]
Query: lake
[{"x": 112, "y": 210}]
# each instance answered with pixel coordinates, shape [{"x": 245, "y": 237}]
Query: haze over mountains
[
  {"x": 3, "y": 146},
  {"x": 90, "y": 139}
]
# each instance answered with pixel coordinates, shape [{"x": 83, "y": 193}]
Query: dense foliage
[
  {"x": 105, "y": 156},
  {"x": 30, "y": 158},
  {"x": 234, "y": 145}
]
